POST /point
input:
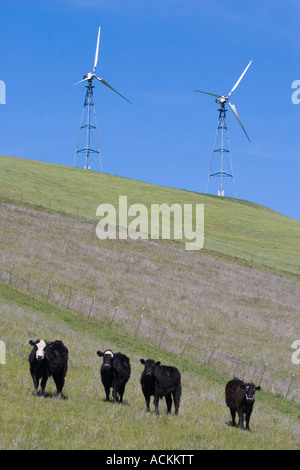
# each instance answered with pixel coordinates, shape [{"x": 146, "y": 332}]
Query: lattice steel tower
[
  {"x": 220, "y": 177},
  {"x": 87, "y": 153}
]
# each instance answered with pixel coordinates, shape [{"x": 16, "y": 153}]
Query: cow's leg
[
  {"x": 43, "y": 384},
  {"x": 114, "y": 394},
  {"x": 35, "y": 384},
  {"x": 248, "y": 420},
  {"x": 232, "y": 411},
  {"x": 59, "y": 381},
  {"x": 155, "y": 402},
  {"x": 147, "y": 399},
  {"x": 121, "y": 392},
  {"x": 241, "y": 419},
  {"x": 107, "y": 391},
  {"x": 169, "y": 403},
  {"x": 176, "y": 398}
]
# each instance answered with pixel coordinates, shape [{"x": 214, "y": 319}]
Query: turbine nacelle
[
  {"x": 91, "y": 75},
  {"x": 222, "y": 99},
  {"x": 225, "y": 99}
]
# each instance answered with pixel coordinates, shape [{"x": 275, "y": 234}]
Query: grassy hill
[
  {"x": 234, "y": 227},
  {"x": 205, "y": 298},
  {"x": 83, "y": 420}
]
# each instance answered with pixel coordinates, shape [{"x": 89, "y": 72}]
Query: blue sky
[{"x": 156, "y": 53}]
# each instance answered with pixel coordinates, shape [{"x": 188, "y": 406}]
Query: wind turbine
[
  {"x": 88, "y": 140},
  {"x": 221, "y": 164}
]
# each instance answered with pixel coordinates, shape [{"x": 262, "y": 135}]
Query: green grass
[
  {"x": 212, "y": 299},
  {"x": 215, "y": 299},
  {"x": 83, "y": 420},
  {"x": 232, "y": 226},
  {"x": 48, "y": 220}
]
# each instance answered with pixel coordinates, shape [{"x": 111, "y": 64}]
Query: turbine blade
[
  {"x": 237, "y": 116},
  {"x": 199, "y": 91},
  {"x": 106, "y": 84},
  {"x": 240, "y": 78},
  {"x": 76, "y": 84},
  {"x": 97, "y": 51}
]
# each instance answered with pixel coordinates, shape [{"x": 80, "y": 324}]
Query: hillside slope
[
  {"x": 234, "y": 227},
  {"x": 187, "y": 299},
  {"x": 209, "y": 313},
  {"x": 83, "y": 420},
  {"x": 177, "y": 298}
]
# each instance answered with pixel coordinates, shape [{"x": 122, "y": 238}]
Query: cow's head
[
  {"x": 107, "y": 358},
  {"x": 150, "y": 365},
  {"x": 39, "y": 346},
  {"x": 250, "y": 390}
]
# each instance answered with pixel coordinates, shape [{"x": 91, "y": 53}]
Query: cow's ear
[
  {"x": 158, "y": 363},
  {"x": 243, "y": 386},
  {"x": 142, "y": 361},
  {"x": 31, "y": 342},
  {"x": 258, "y": 388},
  {"x": 100, "y": 353}
]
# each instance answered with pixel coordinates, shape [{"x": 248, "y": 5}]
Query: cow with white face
[
  {"x": 39, "y": 347},
  {"x": 48, "y": 359},
  {"x": 239, "y": 397},
  {"x": 115, "y": 371}
]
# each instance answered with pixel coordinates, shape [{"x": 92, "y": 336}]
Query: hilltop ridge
[{"x": 239, "y": 228}]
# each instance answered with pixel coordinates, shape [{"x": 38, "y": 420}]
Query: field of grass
[
  {"x": 215, "y": 300},
  {"x": 231, "y": 222},
  {"x": 49, "y": 247},
  {"x": 83, "y": 420}
]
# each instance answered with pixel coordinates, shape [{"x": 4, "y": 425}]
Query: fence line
[
  {"x": 89, "y": 209},
  {"x": 211, "y": 356}
]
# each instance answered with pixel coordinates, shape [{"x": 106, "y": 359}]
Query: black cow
[
  {"x": 48, "y": 359},
  {"x": 239, "y": 397},
  {"x": 160, "y": 381},
  {"x": 115, "y": 372}
]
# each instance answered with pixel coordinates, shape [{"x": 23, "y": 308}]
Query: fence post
[
  {"x": 49, "y": 289},
  {"x": 69, "y": 299},
  {"x": 187, "y": 342},
  {"x": 138, "y": 325},
  {"x": 263, "y": 373},
  {"x": 211, "y": 354},
  {"x": 162, "y": 336},
  {"x": 237, "y": 364},
  {"x": 91, "y": 307},
  {"x": 115, "y": 313},
  {"x": 10, "y": 274},
  {"x": 288, "y": 390},
  {"x": 28, "y": 280}
]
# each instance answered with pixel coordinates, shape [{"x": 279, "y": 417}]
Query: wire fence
[
  {"x": 87, "y": 208},
  {"x": 214, "y": 357}
]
